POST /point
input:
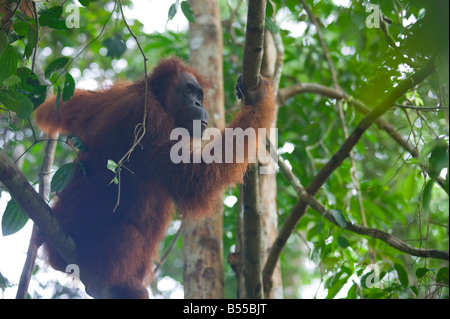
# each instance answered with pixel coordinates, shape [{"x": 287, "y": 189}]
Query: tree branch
[
  {"x": 289, "y": 92},
  {"x": 332, "y": 69},
  {"x": 37, "y": 209},
  {"x": 336, "y": 160},
  {"x": 371, "y": 232},
  {"x": 44, "y": 190}
]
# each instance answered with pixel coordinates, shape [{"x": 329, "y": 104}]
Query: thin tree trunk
[
  {"x": 268, "y": 182},
  {"x": 203, "y": 273}
]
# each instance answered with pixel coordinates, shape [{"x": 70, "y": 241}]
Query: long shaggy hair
[{"x": 117, "y": 248}]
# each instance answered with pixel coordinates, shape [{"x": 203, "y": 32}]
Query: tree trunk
[
  {"x": 203, "y": 273},
  {"x": 268, "y": 182}
]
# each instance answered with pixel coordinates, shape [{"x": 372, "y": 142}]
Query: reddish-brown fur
[
  {"x": 117, "y": 248},
  {"x": 7, "y": 8}
]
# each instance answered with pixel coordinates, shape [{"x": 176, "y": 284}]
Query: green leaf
[
  {"x": 438, "y": 159},
  {"x": 421, "y": 272},
  {"x": 7, "y": 98},
  {"x": 187, "y": 11},
  {"x": 69, "y": 88},
  {"x": 25, "y": 106},
  {"x": 409, "y": 186},
  {"x": 58, "y": 24},
  {"x": 337, "y": 282},
  {"x": 271, "y": 25},
  {"x": 85, "y": 3},
  {"x": 112, "y": 166},
  {"x": 172, "y": 11},
  {"x": 13, "y": 218},
  {"x": 352, "y": 292},
  {"x": 426, "y": 196},
  {"x": 343, "y": 242},
  {"x": 21, "y": 27},
  {"x": 56, "y": 65},
  {"x": 31, "y": 87},
  {"x": 340, "y": 219},
  {"x": 11, "y": 80},
  {"x": 62, "y": 177},
  {"x": 3, "y": 42},
  {"x": 116, "y": 46},
  {"x": 16, "y": 102},
  {"x": 31, "y": 42},
  {"x": 47, "y": 16},
  {"x": 402, "y": 275},
  {"x": 269, "y": 9},
  {"x": 8, "y": 63},
  {"x": 442, "y": 275}
]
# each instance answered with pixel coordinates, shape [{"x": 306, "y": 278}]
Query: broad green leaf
[
  {"x": 442, "y": 275},
  {"x": 111, "y": 165},
  {"x": 337, "y": 283},
  {"x": 62, "y": 177},
  {"x": 13, "y": 218},
  {"x": 438, "y": 159},
  {"x": 352, "y": 292},
  {"x": 8, "y": 100},
  {"x": 340, "y": 219},
  {"x": 426, "y": 196},
  {"x": 402, "y": 275},
  {"x": 11, "y": 80},
  {"x": 187, "y": 11},
  {"x": 21, "y": 27},
  {"x": 409, "y": 186},
  {"x": 269, "y": 9},
  {"x": 85, "y": 3},
  {"x": 31, "y": 42},
  {"x": 343, "y": 242},
  {"x": 58, "y": 24},
  {"x": 47, "y": 16},
  {"x": 56, "y": 65},
  {"x": 115, "y": 180},
  {"x": 8, "y": 63},
  {"x": 172, "y": 11},
  {"x": 116, "y": 46},
  {"x": 271, "y": 25},
  {"x": 16, "y": 102},
  {"x": 69, "y": 87},
  {"x": 25, "y": 106},
  {"x": 420, "y": 272},
  {"x": 3, "y": 42}
]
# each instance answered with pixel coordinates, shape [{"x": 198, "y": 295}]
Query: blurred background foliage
[{"x": 320, "y": 259}]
